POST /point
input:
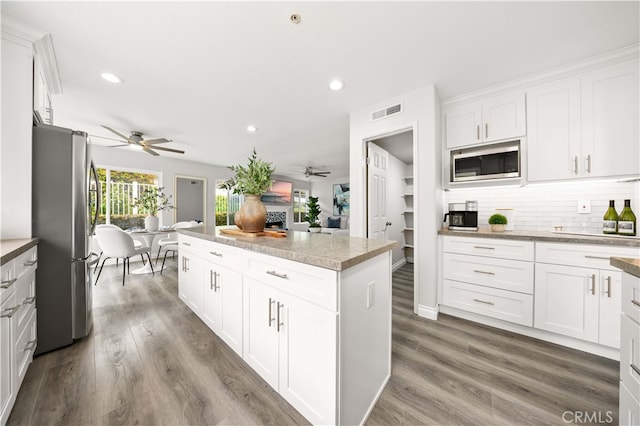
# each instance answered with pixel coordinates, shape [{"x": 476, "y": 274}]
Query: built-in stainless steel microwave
[{"x": 497, "y": 161}]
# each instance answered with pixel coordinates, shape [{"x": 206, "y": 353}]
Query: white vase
[
  {"x": 151, "y": 223},
  {"x": 315, "y": 229}
]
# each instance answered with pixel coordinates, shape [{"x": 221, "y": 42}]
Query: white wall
[
  {"x": 421, "y": 111},
  {"x": 323, "y": 189}
]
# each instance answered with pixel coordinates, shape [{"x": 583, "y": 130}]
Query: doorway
[
  {"x": 391, "y": 199},
  {"x": 190, "y": 199}
]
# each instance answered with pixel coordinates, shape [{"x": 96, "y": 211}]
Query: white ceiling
[{"x": 199, "y": 72}]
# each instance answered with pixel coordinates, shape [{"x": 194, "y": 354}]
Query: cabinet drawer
[
  {"x": 26, "y": 261},
  {"x": 490, "y": 247},
  {"x": 25, "y": 346},
  {"x": 584, "y": 255},
  {"x": 630, "y": 354},
  {"x": 224, "y": 255},
  {"x": 310, "y": 283},
  {"x": 191, "y": 244},
  {"x": 629, "y": 408},
  {"x": 505, "y": 305},
  {"x": 514, "y": 275},
  {"x": 9, "y": 280},
  {"x": 631, "y": 297},
  {"x": 25, "y": 297}
]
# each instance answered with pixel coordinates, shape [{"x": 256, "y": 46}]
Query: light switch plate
[{"x": 584, "y": 206}]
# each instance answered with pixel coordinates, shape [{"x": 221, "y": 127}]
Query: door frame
[
  {"x": 412, "y": 126},
  {"x": 204, "y": 196}
]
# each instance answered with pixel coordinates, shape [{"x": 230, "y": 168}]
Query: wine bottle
[
  {"x": 627, "y": 220},
  {"x": 610, "y": 219}
]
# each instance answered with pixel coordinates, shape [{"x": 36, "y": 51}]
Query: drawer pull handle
[
  {"x": 593, "y": 284},
  {"x": 635, "y": 368},
  {"x": 635, "y": 302},
  {"x": 186, "y": 244},
  {"x": 596, "y": 257},
  {"x": 215, "y": 253},
  {"x": 484, "y": 247},
  {"x": 278, "y": 323},
  {"x": 271, "y": 302},
  {"x": 30, "y": 262},
  {"x": 216, "y": 286},
  {"x": 275, "y": 274},
  {"x": 483, "y": 272},
  {"x": 29, "y": 300},
  {"x": 609, "y": 287},
  {"x": 9, "y": 283},
  {"x": 31, "y": 345},
  {"x": 483, "y": 301},
  {"x": 8, "y": 313}
]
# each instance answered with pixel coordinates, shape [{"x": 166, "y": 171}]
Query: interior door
[{"x": 377, "y": 168}]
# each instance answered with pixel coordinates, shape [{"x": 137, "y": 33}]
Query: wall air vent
[{"x": 386, "y": 112}]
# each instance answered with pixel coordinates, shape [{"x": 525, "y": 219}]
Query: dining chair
[
  {"x": 116, "y": 243},
  {"x": 106, "y": 226},
  {"x": 172, "y": 238}
]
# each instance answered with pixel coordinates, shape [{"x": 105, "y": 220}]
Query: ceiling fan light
[
  {"x": 112, "y": 78},
  {"x": 251, "y": 128},
  {"x": 336, "y": 85},
  {"x": 136, "y": 147}
]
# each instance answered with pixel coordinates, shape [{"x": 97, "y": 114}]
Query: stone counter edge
[
  {"x": 16, "y": 248},
  {"x": 628, "y": 265}
]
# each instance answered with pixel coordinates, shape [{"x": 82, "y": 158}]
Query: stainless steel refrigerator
[{"x": 65, "y": 189}]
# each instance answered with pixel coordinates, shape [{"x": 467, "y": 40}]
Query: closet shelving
[{"x": 408, "y": 218}]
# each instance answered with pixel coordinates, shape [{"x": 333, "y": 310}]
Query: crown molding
[
  {"x": 17, "y": 28},
  {"x": 47, "y": 57}
]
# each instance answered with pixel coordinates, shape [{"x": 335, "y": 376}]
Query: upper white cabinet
[
  {"x": 586, "y": 126},
  {"x": 41, "y": 96},
  {"x": 493, "y": 119}
]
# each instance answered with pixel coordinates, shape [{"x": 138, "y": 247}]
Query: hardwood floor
[{"x": 150, "y": 360}]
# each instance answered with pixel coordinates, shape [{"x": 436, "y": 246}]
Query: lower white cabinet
[
  {"x": 630, "y": 352},
  {"x": 292, "y": 344},
  {"x": 190, "y": 289},
  {"x": 7, "y": 358}
]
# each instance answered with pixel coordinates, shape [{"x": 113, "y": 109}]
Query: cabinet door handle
[
  {"x": 478, "y": 132},
  {"x": 29, "y": 300},
  {"x": 593, "y": 284},
  {"x": 635, "y": 302},
  {"x": 483, "y": 301},
  {"x": 589, "y": 163},
  {"x": 30, "y": 262},
  {"x": 211, "y": 275},
  {"x": 186, "y": 244},
  {"x": 596, "y": 257},
  {"x": 216, "y": 286},
  {"x": 8, "y": 313},
  {"x": 31, "y": 345},
  {"x": 484, "y": 248},
  {"x": 486, "y": 130},
  {"x": 271, "y": 302},
  {"x": 575, "y": 165},
  {"x": 215, "y": 253},
  {"x": 188, "y": 260},
  {"x": 9, "y": 283},
  {"x": 636, "y": 369},
  {"x": 608, "y": 286},
  {"x": 483, "y": 272},
  {"x": 275, "y": 274},
  {"x": 278, "y": 323}
]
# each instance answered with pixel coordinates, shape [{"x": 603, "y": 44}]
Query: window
[
  {"x": 300, "y": 198},
  {"x": 118, "y": 189},
  {"x": 227, "y": 204}
]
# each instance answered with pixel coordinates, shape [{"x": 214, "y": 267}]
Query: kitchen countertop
[
  {"x": 547, "y": 236},
  {"x": 10, "y": 249},
  {"x": 631, "y": 266},
  {"x": 323, "y": 250}
]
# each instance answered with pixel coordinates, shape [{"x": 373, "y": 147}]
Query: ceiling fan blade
[
  {"x": 154, "y": 141},
  {"x": 116, "y": 132},
  {"x": 117, "y": 146},
  {"x": 177, "y": 151},
  {"x": 149, "y": 150}
]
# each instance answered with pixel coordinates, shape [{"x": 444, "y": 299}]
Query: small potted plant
[
  {"x": 252, "y": 181},
  {"x": 497, "y": 222},
  {"x": 152, "y": 201},
  {"x": 313, "y": 212}
]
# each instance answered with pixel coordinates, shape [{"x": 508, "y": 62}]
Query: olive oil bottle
[
  {"x": 610, "y": 219},
  {"x": 627, "y": 220}
]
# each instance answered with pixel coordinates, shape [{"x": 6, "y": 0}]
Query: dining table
[{"x": 148, "y": 237}]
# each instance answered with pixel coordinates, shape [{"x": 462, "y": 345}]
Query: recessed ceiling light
[
  {"x": 251, "y": 128},
  {"x": 336, "y": 85},
  {"x": 112, "y": 78}
]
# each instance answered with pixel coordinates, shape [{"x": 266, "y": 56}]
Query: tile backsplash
[{"x": 540, "y": 207}]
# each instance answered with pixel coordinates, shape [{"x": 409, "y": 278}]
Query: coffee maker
[{"x": 463, "y": 216}]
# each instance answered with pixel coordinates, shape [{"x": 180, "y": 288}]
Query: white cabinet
[
  {"x": 17, "y": 326},
  {"x": 586, "y": 126},
  {"x": 493, "y": 119},
  {"x": 630, "y": 351},
  {"x": 577, "y": 292},
  {"x": 41, "y": 95},
  {"x": 190, "y": 289}
]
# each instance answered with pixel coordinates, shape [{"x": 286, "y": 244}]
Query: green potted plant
[
  {"x": 497, "y": 222},
  {"x": 313, "y": 212},
  {"x": 252, "y": 181},
  {"x": 153, "y": 200}
]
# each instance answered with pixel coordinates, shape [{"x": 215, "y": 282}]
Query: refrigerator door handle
[
  {"x": 84, "y": 259},
  {"x": 94, "y": 173}
]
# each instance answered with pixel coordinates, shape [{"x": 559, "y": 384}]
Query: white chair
[
  {"x": 172, "y": 239},
  {"x": 116, "y": 243},
  {"x": 105, "y": 226}
]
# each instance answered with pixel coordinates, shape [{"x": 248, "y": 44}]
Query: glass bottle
[
  {"x": 610, "y": 219},
  {"x": 627, "y": 220}
]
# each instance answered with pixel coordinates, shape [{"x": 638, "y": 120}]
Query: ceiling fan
[
  {"x": 308, "y": 171},
  {"x": 137, "y": 141}
]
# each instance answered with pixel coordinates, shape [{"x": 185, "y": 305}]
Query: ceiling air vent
[{"x": 386, "y": 112}]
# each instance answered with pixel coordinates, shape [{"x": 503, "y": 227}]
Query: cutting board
[{"x": 241, "y": 233}]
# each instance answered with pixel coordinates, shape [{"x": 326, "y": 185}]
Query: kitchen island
[{"x": 310, "y": 313}]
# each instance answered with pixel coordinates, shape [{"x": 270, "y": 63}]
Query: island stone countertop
[
  {"x": 545, "y": 236},
  {"x": 323, "y": 250},
  {"x": 10, "y": 249},
  {"x": 628, "y": 265}
]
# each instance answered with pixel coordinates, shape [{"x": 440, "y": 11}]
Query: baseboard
[
  {"x": 398, "y": 264},
  {"x": 428, "y": 312},
  {"x": 375, "y": 400}
]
